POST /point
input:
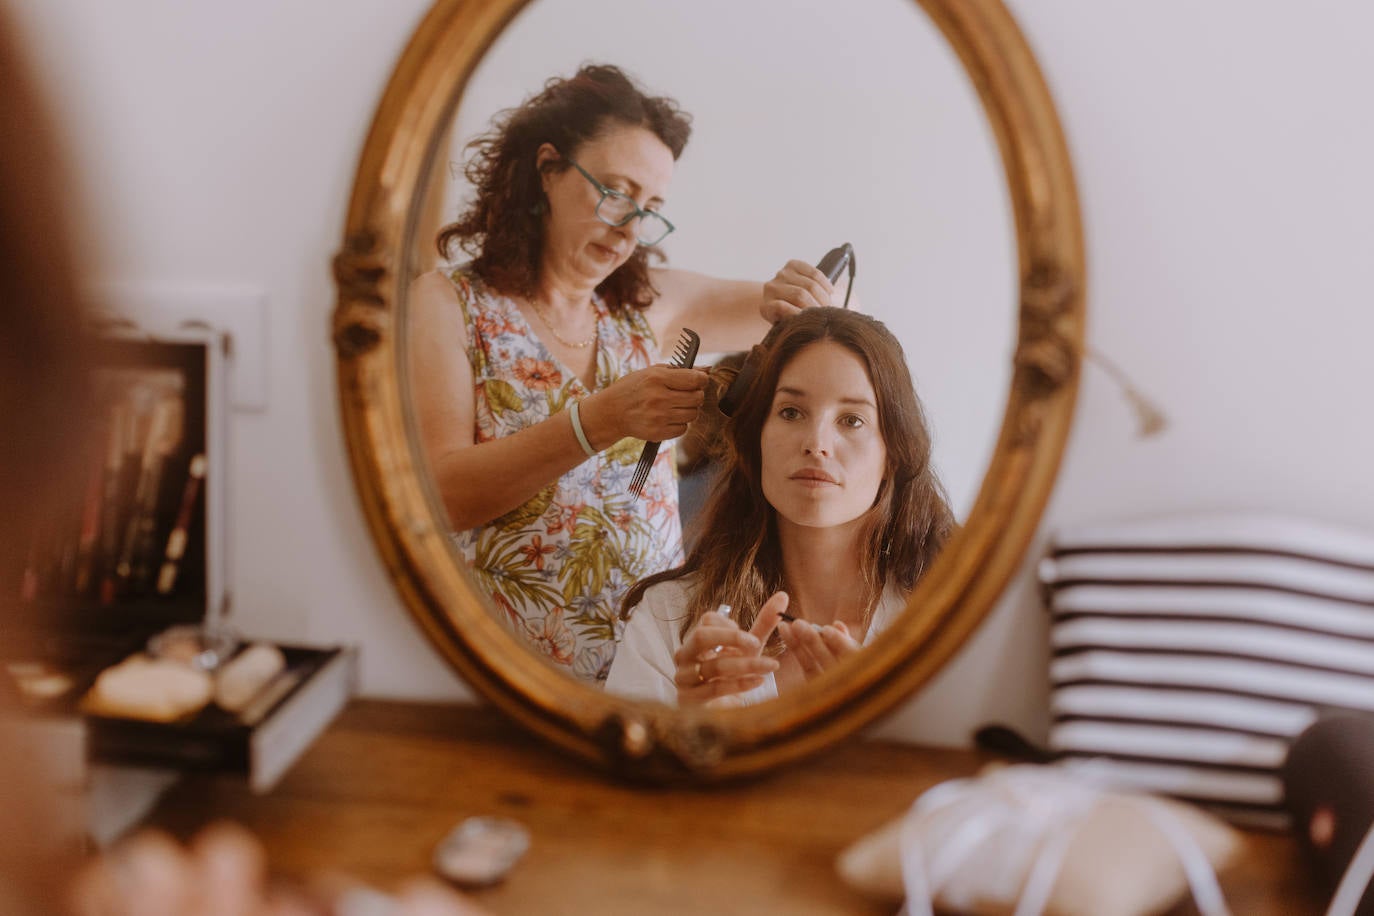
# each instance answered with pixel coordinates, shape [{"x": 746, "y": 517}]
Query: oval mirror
[{"x": 975, "y": 264}]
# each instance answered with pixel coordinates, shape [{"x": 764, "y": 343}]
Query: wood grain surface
[{"x": 378, "y": 790}]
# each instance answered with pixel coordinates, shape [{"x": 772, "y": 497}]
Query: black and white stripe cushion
[{"x": 1189, "y": 651}]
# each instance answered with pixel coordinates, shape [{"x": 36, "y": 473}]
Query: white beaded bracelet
[{"x": 577, "y": 431}]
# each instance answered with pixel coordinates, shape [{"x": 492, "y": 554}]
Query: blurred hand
[
  {"x": 223, "y": 872},
  {"x": 718, "y": 659}
]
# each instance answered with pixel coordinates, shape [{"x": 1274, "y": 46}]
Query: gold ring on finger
[{"x": 701, "y": 678}]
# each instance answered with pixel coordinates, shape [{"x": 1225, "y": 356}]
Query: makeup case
[{"x": 141, "y": 547}]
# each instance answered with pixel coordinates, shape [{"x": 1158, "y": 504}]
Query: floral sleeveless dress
[{"x": 558, "y": 566}]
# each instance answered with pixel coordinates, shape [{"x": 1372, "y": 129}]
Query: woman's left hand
[
  {"x": 817, "y": 649},
  {"x": 797, "y": 286}
]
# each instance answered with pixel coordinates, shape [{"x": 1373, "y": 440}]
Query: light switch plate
[{"x": 238, "y": 311}]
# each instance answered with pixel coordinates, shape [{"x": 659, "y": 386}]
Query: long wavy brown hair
[
  {"x": 44, "y": 413},
  {"x": 502, "y": 229},
  {"x": 737, "y": 559}
]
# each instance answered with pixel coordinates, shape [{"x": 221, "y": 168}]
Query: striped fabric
[{"x": 1189, "y": 651}]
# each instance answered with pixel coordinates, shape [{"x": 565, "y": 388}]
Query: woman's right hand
[
  {"x": 718, "y": 659},
  {"x": 796, "y": 286},
  {"x": 653, "y": 404}
]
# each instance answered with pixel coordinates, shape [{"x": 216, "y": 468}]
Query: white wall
[{"x": 1221, "y": 151}]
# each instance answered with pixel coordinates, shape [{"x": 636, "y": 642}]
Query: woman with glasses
[{"x": 536, "y": 365}]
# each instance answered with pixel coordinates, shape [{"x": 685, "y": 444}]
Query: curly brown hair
[
  {"x": 737, "y": 559},
  {"x": 503, "y": 228}
]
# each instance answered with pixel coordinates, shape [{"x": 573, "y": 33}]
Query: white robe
[{"x": 643, "y": 668}]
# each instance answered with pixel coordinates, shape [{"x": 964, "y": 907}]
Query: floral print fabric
[{"x": 558, "y": 566}]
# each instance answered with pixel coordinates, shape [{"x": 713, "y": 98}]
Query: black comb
[{"x": 684, "y": 355}]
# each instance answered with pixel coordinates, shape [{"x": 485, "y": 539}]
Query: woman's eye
[
  {"x": 789, "y": 413},
  {"x": 853, "y": 421}
]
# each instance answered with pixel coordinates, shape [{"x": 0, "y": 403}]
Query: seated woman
[{"x": 824, "y": 515}]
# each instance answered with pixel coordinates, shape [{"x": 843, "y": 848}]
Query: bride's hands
[
  {"x": 718, "y": 659},
  {"x": 817, "y": 649}
]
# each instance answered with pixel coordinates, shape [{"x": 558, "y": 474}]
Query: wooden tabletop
[{"x": 375, "y": 794}]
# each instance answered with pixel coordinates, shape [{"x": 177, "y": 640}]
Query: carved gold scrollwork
[
  {"x": 1046, "y": 356},
  {"x": 663, "y": 745},
  {"x": 626, "y": 737},
  {"x": 698, "y": 744},
  {"x": 360, "y": 319}
]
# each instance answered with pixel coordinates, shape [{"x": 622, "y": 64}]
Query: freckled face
[
  {"x": 823, "y": 454},
  {"x": 631, "y": 160}
]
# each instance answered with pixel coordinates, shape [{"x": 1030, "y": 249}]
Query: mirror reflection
[{"x": 583, "y": 229}]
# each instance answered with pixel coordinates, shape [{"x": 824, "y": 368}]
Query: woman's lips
[{"x": 814, "y": 478}]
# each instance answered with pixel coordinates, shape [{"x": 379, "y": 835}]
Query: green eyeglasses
[{"x": 616, "y": 209}]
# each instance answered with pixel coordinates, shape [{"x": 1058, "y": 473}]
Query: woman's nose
[{"x": 817, "y": 442}]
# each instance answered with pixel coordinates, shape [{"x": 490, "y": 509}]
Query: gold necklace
[{"x": 575, "y": 344}]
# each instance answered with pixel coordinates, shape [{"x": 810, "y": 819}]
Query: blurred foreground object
[
  {"x": 224, "y": 871},
  {"x": 1043, "y": 839},
  {"x": 1328, "y": 783}
]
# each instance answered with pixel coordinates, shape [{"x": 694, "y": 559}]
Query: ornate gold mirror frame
[{"x": 655, "y": 742}]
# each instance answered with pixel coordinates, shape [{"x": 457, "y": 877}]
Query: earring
[{"x": 537, "y": 208}]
